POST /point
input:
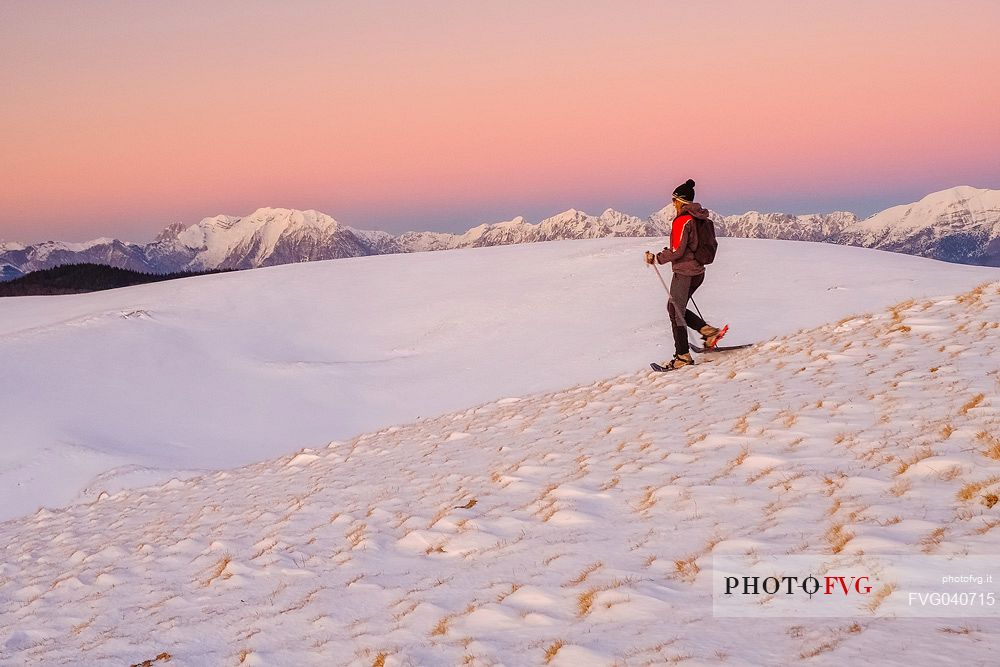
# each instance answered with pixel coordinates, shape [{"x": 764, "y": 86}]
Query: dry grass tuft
[
  {"x": 880, "y": 595},
  {"x": 441, "y": 627},
  {"x": 972, "y": 403},
  {"x": 970, "y": 490},
  {"x": 695, "y": 439},
  {"x": 435, "y": 548},
  {"x": 786, "y": 481},
  {"x": 832, "y": 485},
  {"x": 973, "y": 296},
  {"x": 648, "y": 499},
  {"x": 838, "y": 538},
  {"x": 741, "y": 457},
  {"x": 898, "y": 308},
  {"x": 932, "y": 540},
  {"x": 687, "y": 569},
  {"x": 834, "y": 507},
  {"x": 380, "y": 660},
  {"x": 950, "y": 473},
  {"x": 992, "y": 444},
  {"x": 920, "y": 455},
  {"x": 760, "y": 474},
  {"x": 163, "y": 657},
  {"x": 585, "y": 602},
  {"x": 219, "y": 570},
  {"x": 551, "y": 651},
  {"x": 356, "y": 535},
  {"x": 584, "y": 573},
  {"x": 610, "y": 484},
  {"x": 988, "y": 526},
  {"x": 503, "y": 596},
  {"x": 788, "y": 418},
  {"x": 822, "y": 648},
  {"x": 900, "y": 488}
]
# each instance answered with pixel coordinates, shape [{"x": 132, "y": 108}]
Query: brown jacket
[{"x": 683, "y": 242}]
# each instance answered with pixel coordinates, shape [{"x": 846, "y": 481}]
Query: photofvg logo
[
  {"x": 868, "y": 585},
  {"x": 811, "y": 585}
]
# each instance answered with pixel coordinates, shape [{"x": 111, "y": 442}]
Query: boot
[
  {"x": 679, "y": 361},
  {"x": 710, "y": 335}
]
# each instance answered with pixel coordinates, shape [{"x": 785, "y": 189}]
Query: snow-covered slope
[
  {"x": 126, "y": 387},
  {"x": 572, "y": 528}
]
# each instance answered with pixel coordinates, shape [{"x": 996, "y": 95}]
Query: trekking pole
[
  {"x": 662, "y": 281},
  {"x": 696, "y": 308}
]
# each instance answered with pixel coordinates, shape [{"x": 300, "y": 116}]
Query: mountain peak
[
  {"x": 959, "y": 224},
  {"x": 955, "y": 194},
  {"x": 568, "y": 214}
]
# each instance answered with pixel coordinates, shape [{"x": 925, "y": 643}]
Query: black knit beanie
[{"x": 685, "y": 191}]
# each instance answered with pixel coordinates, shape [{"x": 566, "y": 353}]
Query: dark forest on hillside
[{"x": 82, "y": 278}]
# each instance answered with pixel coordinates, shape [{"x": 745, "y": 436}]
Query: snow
[
  {"x": 978, "y": 207},
  {"x": 43, "y": 250},
  {"x": 516, "y": 225},
  {"x": 131, "y": 387},
  {"x": 576, "y": 526},
  {"x": 961, "y": 224},
  {"x": 216, "y": 238}
]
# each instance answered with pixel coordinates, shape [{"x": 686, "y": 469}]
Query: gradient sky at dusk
[{"x": 118, "y": 118}]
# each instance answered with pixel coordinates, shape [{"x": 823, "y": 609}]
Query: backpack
[{"x": 707, "y": 245}]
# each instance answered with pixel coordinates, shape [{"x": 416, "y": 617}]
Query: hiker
[{"x": 688, "y": 274}]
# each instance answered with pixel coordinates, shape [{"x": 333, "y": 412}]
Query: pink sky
[{"x": 119, "y": 118}]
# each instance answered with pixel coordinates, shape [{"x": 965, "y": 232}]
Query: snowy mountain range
[{"x": 960, "y": 225}]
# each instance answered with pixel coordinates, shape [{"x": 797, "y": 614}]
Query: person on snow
[{"x": 688, "y": 275}]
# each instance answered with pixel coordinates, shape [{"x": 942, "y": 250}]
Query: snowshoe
[
  {"x": 719, "y": 348},
  {"x": 679, "y": 361}
]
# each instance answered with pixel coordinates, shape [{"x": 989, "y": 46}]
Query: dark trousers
[{"x": 681, "y": 290}]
